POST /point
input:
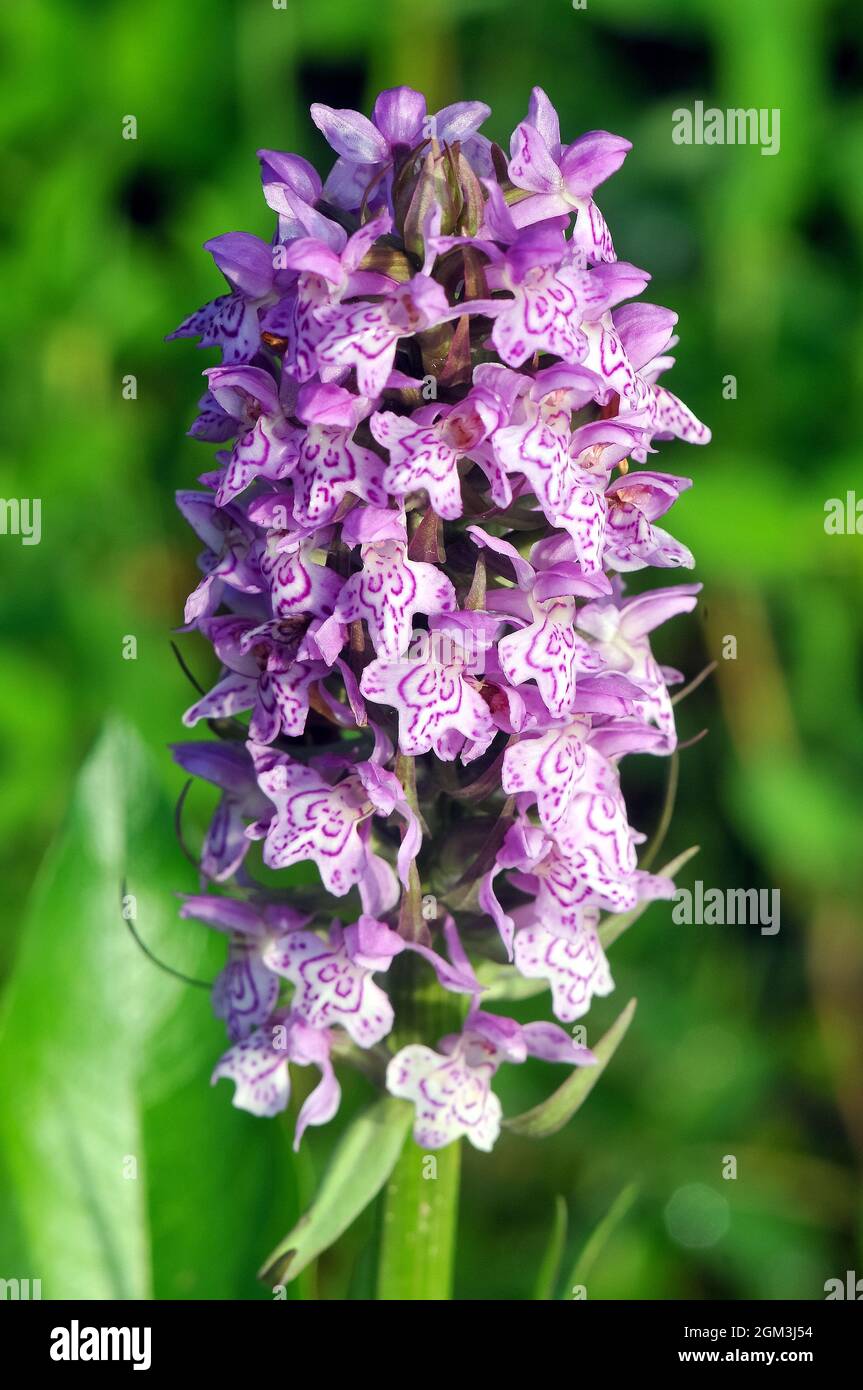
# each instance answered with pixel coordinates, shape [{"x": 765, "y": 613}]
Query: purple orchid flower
[
  {"x": 575, "y": 967},
  {"x": 425, "y": 448},
  {"x": 325, "y": 276},
  {"x": 231, "y": 560},
  {"x": 333, "y": 979},
  {"x": 451, "y": 1089},
  {"x": 538, "y": 445},
  {"x": 231, "y": 322},
  {"x": 246, "y": 991},
  {"x": 642, "y": 402},
  {"x": 229, "y": 767},
  {"x": 543, "y": 314},
  {"x": 552, "y": 766},
  {"x": 330, "y": 463},
  {"x": 402, "y": 576},
  {"x": 258, "y": 1066},
  {"x": 369, "y": 149},
  {"x": 364, "y": 335},
  {"x": 567, "y": 470},
  {"x": 546, "y": 648},
  {"x": 267, "y": 443},
  {"x": 634, "y": 503},
  {"x": 437, "y": 700},
  {"x": 561, "y": 178},
  {"x": 564, "y": 878},
  {"x": 263, "y": 673},
  {"x": 292, "y": 187},
  {"x": 330, "y": 823},
  {"x": 390, "y": 589},
  {"x": 298, "y": 584},
  {"x": 620, "y": 635}
]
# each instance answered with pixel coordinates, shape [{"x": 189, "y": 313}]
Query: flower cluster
[{"x": 435, "y": 381}]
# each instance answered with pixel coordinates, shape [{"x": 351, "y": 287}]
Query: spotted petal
[
  {"x": 575, "y": 967},
  {"x": 451, "y": 1098},
  {"x": 331, "y": 988},
  {"x": 433, "y": 702},
  {"x": 259, "y": 1070},
  {"x": 314, "y": 820},
  {"x": 229, "y": 322},
  {"x": 388, "y": 591}
]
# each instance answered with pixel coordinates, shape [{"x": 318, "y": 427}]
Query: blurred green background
[{"x": 123, "y": 1174}]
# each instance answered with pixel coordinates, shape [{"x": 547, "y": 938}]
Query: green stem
[
  {"x": 419, "y": 1225},
  {"x": 420, "y": 1202}
]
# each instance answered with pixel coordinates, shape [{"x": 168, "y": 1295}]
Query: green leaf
[
  {"x": 69, "y": 1119},
  {"x": 552, "y": 1114},
  {"x": 550, "y": 1267},
  {"x": 599, "y": 1238},
  {"x": 365, "y": 1157},
  {"x": 112, "y": 1142},
  {"x": 613, "y": 927}
]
